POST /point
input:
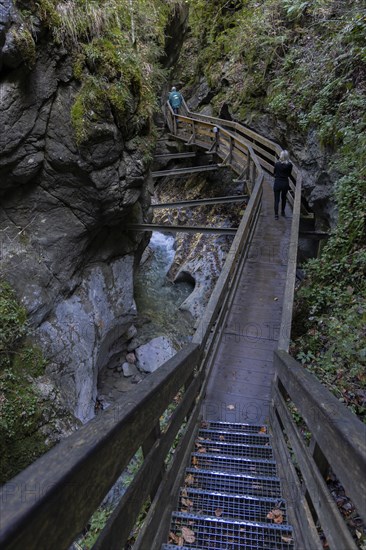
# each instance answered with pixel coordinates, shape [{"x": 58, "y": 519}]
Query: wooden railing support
[
  {"x": 70, "y": 481},
  {"x": 338, "y": 440}
]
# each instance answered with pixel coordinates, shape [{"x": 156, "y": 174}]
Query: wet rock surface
[{"x": 199, "y": 258}]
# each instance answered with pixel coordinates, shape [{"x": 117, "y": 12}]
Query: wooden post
[{"x": 175, "y": 129}]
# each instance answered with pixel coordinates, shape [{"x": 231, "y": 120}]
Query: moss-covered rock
[{"x": 29, "y": 423}]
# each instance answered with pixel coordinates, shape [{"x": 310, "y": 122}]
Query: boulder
[
  {"x": 127, "y": 370},
  {"x": 152, "y": 355}
]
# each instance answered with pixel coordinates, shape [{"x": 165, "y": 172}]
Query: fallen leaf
[
  {"x": 189, "y": 480},
  {"x": 186, "y": 502},
  {"x": 275, "y": 515},
  {"x": 263, "y": 430},
  {"x": 184, "y": 493},
  {"x": 231, "y": 407},
  {"x": 194, "y": 460},
  {"x": 222, "y": 438},
  {"x": 202, "y": 450},
  {"x": 188, "y": 535},
  {"x": 173, "y": 537},
  {"x": 288, "y": 540},
  {"x": 278, "y": 520},
  {"x": 218, "y": 512}
]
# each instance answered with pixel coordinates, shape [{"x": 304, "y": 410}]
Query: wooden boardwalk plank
[{"x": 240, "y": 381}]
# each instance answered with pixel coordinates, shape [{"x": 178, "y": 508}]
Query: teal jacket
[{"x": 175, "y": 99}]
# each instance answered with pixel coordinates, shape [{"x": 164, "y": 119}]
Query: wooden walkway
[{"x": 239, "y": 386}]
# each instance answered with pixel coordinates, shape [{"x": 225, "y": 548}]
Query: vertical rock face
[{"x": 63, "y": 210}]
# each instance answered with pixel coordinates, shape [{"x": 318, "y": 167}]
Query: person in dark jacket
[
  {"x": 282, "y": 172},
  {"x": 175, "y": 99}
]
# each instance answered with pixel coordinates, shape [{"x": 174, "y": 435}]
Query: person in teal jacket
[{"x": 175, "y": 99}]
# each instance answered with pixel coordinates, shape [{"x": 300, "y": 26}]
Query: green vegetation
[
  {"x": 99, "y": 519},
  {"x": 117, "y": 45},
  {"x": 20, "y": 405},
  {"x": 304, "y": 62},
  {"x": 25, "y": 44}
]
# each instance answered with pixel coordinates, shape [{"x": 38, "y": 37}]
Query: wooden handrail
[
  {"x": 240, "y": 242},
  {"x": 338, "y": 441},
  {"x": 48, "y": 504}
]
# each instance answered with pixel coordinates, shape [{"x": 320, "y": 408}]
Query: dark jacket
[{"x": 282, "y": 171}]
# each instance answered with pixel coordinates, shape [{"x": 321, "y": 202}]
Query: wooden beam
[
  {"x": 330, "y": 519},
  {"x": 185, "y": 171},
  {"x": 201, "y": 202},
  {"x": 181, "y": 228},
  {"x": 169, "y": 156},
  {"x": 121, "y": 522}
]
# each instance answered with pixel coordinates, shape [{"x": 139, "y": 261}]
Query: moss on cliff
[
  {"x": 117, "y": 45},
  {"x": 21, "y": 407},
  {"x": 25, "y": 44}
]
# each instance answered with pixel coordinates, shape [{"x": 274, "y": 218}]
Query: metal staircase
[{"x": 232, "y": 495}]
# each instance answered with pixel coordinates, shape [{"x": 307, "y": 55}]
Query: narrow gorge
[{"x": 82, "y": 85}]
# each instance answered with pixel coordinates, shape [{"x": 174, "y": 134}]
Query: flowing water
[{"x": 157, "y": 298}]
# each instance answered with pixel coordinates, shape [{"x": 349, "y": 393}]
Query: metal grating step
[
  {"x": 230, "y": 506},
  {"x": 234, "y": 465},
  {"x": 231, "y": 436},
  {"x": 219, "y": 534},
  {"x": 235, "y": 449},
  {"x": 233, "y": 426},
  {"x": 233, "y": 483}
]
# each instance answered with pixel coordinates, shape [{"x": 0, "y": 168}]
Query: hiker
[
  {"x": 282, "y": 172},
  {"x": 175, "y": 99}
]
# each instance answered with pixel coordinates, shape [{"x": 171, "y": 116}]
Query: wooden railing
[
  {"x": 49, "y": 504},
  {"x": 335, "y": 439}
]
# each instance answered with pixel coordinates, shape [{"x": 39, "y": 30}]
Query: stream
[{"x": 157, "y": 298}]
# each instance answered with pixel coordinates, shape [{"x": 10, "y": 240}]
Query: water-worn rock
[
  {"x": 152, "y": 355},
  {"x": 63, "y": 210},
  {"x": 199, "y": 258},
  {"x": 128, "y": 370}
]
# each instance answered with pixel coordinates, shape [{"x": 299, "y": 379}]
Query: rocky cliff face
[{"x": 63, "y": 213}]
